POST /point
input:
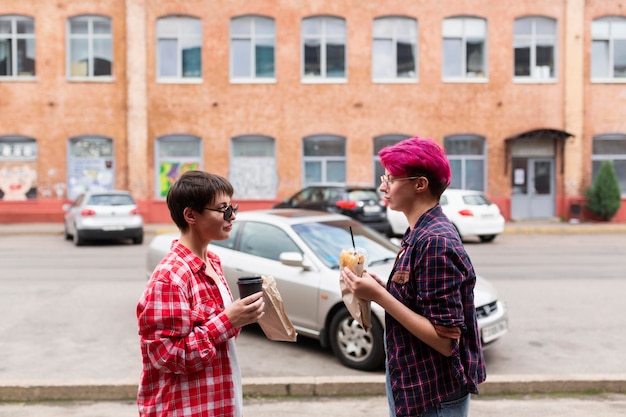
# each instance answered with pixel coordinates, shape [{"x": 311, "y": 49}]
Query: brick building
[{"x": 527, "y": 97}]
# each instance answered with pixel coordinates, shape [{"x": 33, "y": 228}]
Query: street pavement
[{"x": 510, "y": 395}]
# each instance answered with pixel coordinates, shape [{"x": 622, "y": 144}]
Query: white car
[
  {"x": 100, "y": 215},
  {"x": 471, "y": 213},
  {"x": 300, "y": 249}
]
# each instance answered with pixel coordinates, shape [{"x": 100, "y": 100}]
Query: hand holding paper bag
[{"x": 359, "y": 309}]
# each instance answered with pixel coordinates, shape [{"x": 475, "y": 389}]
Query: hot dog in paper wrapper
[{"x": 359, "y": 309}]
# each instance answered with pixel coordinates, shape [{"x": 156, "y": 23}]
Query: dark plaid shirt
[{"x": 434, "y": 277}]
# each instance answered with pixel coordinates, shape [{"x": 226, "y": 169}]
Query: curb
[{"x": 324, "y": 387}]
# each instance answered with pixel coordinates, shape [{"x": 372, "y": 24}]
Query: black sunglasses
[{"x": 228, "y": 211}]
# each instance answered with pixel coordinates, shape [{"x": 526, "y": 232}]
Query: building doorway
[{"x": 532, "y": 188}]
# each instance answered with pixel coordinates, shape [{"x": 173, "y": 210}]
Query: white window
[
  {"x": 610, "y": 147},
  {"x": 252, "y": 45},
  {"x": 175, "y": 155},
  {"x": 466, "y": 154},
  {"x": 394, "y": 49},
  {"x": 90, "y": 48},
  {"x": 253, "y": 171},
  {"x": 534, "y": 44},
  {"x": 324, "y": 159},
  {"x": 179, "y": 49},
  {"x": 324, "y": 48},
  {"x": 464, "y": 48},
  {"x": 379, "y": 143},
  {"x": 608, "y": 49},
  {"x": 17, "y": 47}
]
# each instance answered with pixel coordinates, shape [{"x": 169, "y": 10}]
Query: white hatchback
[{"x": 471, "y": 212}]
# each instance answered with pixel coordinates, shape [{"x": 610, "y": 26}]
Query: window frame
[
  {"x": 463, "y": 158},
  {"x": 378, "y": 143},
  {"x": 610, "y": 40},
  {"x": 464, "y": 39},
  {"x": 180, "y": 38},
  {"x": 394, "y": 39},
  {"x": 532, "y": 41},
  {"x": 323, "y": 160},
  {"x": 253, "y": 37},
  {"x": 598, "y": 158},
  {"x": 91, "y": 38},
  {"x": 14, "y": 39},
  {"x": 261, "y": 184},
  {"x": 323, "y": 37},
  {"x": 187, "y": 161}
]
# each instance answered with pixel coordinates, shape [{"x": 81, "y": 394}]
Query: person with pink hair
[{"x": 434, "y": 356}]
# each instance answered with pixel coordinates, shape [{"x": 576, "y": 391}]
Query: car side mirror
[{"x": 294, "y": 259}]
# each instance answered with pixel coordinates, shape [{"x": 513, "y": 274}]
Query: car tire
[
  {"x": 77, "y": 239},
  {"x": 66, "y": 233},
  {"x": 138, "y": 240},
  {"x": 354, "y": 347},
  {"x": 487, "y": 238}
]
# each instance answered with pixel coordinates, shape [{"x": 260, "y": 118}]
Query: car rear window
[
  {"x": 110, "y": 200},
  {"x": 363, "y": 195},
  {"x": 476, "y": 200}
]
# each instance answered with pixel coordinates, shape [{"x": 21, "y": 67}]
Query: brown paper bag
[
  {"x": 359, "y": 309},
  {"x": 275, "y": 323}
]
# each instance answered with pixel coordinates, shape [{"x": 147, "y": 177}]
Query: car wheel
[
  {"x": 353, "y": 346},
  {"x": 77, "y": 239},
  {"x": 67, "y": 234},
  {"x": 138, "y": 240},
  {"x": 486, "y": 238}
]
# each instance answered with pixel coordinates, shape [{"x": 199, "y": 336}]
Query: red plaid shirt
[{"x": 184, "y": 334}]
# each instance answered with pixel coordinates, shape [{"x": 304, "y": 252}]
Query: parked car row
[{"x": 300, "y": 249}]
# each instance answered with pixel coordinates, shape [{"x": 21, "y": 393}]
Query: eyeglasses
[
  {"x": 228, "y": 211},
  {"x": 386, "y": 179}
]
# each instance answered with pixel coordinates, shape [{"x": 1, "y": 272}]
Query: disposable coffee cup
[{"x": 249, "y": 285}]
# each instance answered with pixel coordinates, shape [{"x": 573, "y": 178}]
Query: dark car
[{"x": 361, "y": 202}]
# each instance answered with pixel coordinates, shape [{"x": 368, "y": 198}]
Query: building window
[
  {"x": 394, "y": 49},
  {"x": 464, "y": 48},
  {"x": 175, "y": 155},
  {"x": 17, "y": 47},
  {"x": 466, "y": 154},
  {"x": 379, "y": 143},
  {"x": 324, "y": 48},
  {"x": 253, "y": 171},
  {"x": 18, "y": 168},
  {"x": 534, "y": 43},
  {"x": 324, "y": 159},
  {"x": 179, "y": 48},
  {"x": 90, "y": 165},
  {"x": 252, "y": 45},
  {"x": 90, "y": 47},
  {"x": 610, "y": 147},
  {"x": 608, "y": 49}
]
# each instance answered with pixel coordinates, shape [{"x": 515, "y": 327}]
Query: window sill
[
  {"x": 19, "y": 79},
  {"x": 324, "y": 80},
  {"x": 90, "y": 79},
  {"x": 608, "y": 81},
  {"x": 466, "y": 80},
  {"x": 395, "y": 81}
]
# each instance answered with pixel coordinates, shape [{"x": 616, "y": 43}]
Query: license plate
[
  {"x": 371, "y": 209},
  {"x": 112, "y": 228},
  {"x": 494, "y": 331}
]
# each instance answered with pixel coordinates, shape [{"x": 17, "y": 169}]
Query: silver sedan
[{"x": 300, "y": 249}]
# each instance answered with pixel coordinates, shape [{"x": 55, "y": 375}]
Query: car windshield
[
  {"x": 363, "y": 195},
  {"x": 327, "y": 239}
]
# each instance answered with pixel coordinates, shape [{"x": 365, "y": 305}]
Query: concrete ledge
[{"x": 324, "y": 387}]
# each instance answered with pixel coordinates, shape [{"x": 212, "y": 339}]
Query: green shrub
[{"x": 604, "y": 196}]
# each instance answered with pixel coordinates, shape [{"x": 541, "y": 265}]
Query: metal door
[{"x": 532, "y": 188}]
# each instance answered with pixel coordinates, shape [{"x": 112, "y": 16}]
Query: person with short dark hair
[
  {"x": 187, "y": 318},
  {"x": 434, "y": 355}
]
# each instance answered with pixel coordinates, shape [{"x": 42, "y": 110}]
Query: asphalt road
[{"x": 69, "y": 312}]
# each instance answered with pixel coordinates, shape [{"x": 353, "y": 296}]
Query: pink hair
[{"x": 417, "y": 156}]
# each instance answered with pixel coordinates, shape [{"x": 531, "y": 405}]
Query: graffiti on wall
[
  {"x": 18, "y": 180},
  {"x": 169, "y": 173}
]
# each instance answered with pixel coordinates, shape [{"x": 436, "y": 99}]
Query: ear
[
  {"x": 421, "y": 184},
  {"x": 190, "y": 215}
]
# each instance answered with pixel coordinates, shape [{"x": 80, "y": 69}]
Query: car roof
[{"x": 290, "y": 216}]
